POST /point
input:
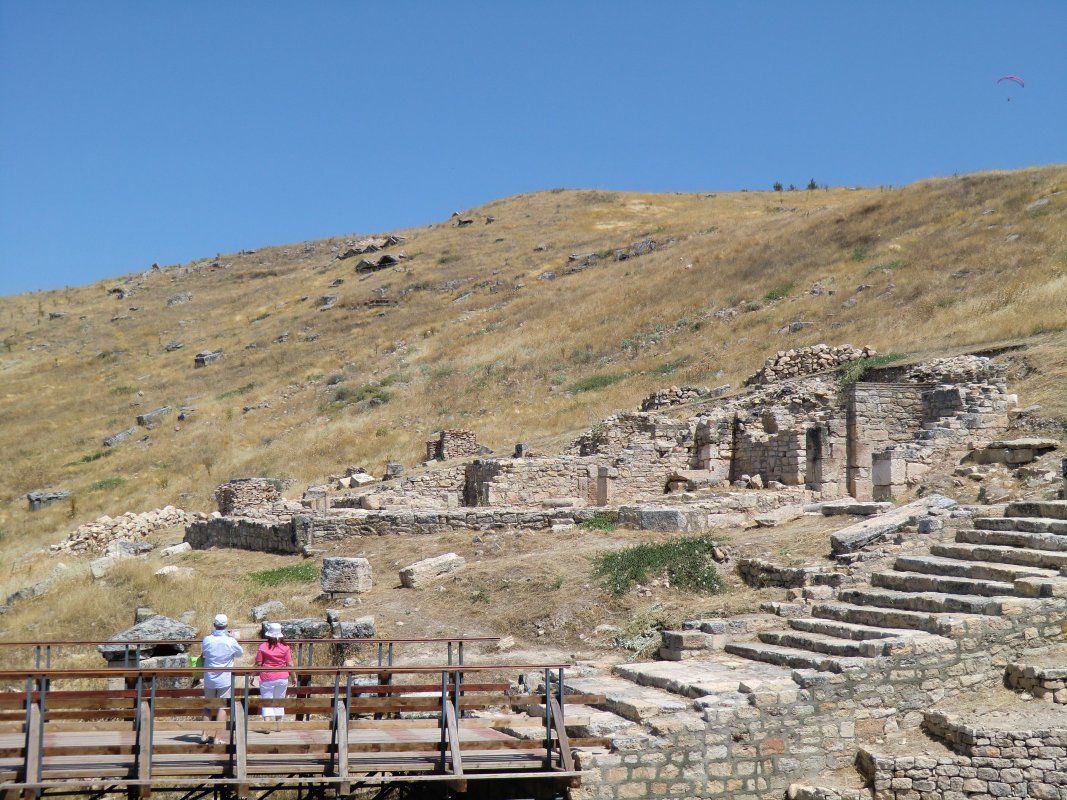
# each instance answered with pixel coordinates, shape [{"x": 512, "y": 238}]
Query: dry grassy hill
[{"x": 476, "y": 334}]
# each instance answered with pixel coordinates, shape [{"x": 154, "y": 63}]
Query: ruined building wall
[{"x": 878, "y": 415}]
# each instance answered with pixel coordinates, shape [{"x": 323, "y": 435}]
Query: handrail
[
  {"x": 356, "y": 640},
  {"x": 179, "y": 672}
]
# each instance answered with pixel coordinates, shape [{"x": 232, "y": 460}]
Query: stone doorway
[{"x": 813, "y": 459}]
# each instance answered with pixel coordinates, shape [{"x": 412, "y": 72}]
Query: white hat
[
  {"x": 274, "y": 630},
  {"x": 221, "y": 620}
]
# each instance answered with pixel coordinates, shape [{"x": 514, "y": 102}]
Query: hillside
[{"x": 493, "y": 327}]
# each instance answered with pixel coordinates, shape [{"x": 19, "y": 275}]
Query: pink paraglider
[{"x": 1015, "y": 78}]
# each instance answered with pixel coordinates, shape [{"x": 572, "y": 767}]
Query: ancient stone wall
[
  {"x": 532, "y": 481},
  {"x": 246, "y": 497},
  {"x": 452, "y": 443},
  {"x": 434, "y": 488},
  {"x": 988, "y": 763},
  {"x": 752, "y": 745},
  {"x": 878, "y": 416},
  {"x": 1045, "y": 682},
  {"x": 292, "y": 535},
  {"x": 787, "y": 364}
]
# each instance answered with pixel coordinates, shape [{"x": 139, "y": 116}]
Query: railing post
[
  {"x": 444, "y": 718},
  {"x": 548, "y": 721}
]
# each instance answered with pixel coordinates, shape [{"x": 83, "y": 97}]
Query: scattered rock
[{"x": 428, "y": 570}]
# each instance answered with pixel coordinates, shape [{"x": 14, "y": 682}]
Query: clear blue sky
[{"x": 140, "y": 132}]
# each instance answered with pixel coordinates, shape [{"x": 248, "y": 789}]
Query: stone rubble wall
[
  {"x": 531, "y": 481},
  {"x": 957, "y": 369},
  {"x": 434, "y": 488},
  {"x": 988, "y": 764},
  {"x": 751, "y": 745},
  {"x": 293, "y": 535},
  {"x": 806, "y": 361},
  {"x": 674, "y": 396},
  {"x": 452, "y": 443},
  {"x": 96, "y": 535},
  {"x": 246, "y": 497},
  {"x": 1044, "y": 683}
]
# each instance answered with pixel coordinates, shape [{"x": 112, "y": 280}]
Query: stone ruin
[
  {"x": 452, "y": 443},
  {"x": 804, "y": 437},
  {"x": 844, "y": 691}
]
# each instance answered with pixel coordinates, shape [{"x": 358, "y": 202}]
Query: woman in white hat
[{"x": 273, "y": 683}]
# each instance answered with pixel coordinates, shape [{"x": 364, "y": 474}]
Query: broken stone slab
[
  {"x": 157, "y": 628},
  {"x": 202, "y": 359},
  {"x": 100, "y": 567},
  {"x": 779, "y": 516},
  {"x": 149, "y": 418},
  {"x": 127, "y": 548},
  {"x": 342, "y": 575},
  {"x": 170, "y": 347},
  {"x": 855, "y": 537},
  {"x": 174, "y": 571},
  {"x": 178, "y": 299},
  {"x": 855, "y": 508},
  {"x": 265, "y": 611},
  {"x": 360, "y": 628},
  {"x": 428, "y": 570},
  {"x": 1013, "y": 451},
  {"x": 43, "y": 498},
  {"x": 115, "y": 438},
  {"x": 666, "y": 519},
  {"x": 175, "y": 549},
  {"x": 306, "y": 628}
]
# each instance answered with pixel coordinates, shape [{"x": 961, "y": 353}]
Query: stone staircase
[{"x": 1002, "y": 567}]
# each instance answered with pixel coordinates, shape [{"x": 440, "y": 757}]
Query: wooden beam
[
  {"x": 240, "y": 742},
  {"x": 453, "y": 740},
  {"x": 32, "y": 770},
  {"x": 345, "y": 788},
  {"x": 566, "y": 758},
  {"x": 144, "y": 750}
]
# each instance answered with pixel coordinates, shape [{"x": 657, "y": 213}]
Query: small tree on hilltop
[
  {"x": 778, "y": 186},
  {"x": 812, "y": 185}
]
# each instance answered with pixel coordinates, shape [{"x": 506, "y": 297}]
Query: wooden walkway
[{"x": 448, "y": 725}]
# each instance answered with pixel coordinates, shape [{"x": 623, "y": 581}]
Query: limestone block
[
  {"x": 266, "y": 610},
  {"x": 430, "y": 569},
  {"x": 101, "y": 566},
  {"x": 175, "y": 549},
  {"x": 345, "y": 575}
]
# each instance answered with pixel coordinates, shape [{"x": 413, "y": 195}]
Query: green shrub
[
  {"x": 780, "y": 292},
  {"x": 686, "y": 562},
  {"x": 260, "y": 318},
  {"x": 293, "y": 573},
  {"x": 106, "y": 483},
  {"x": 369, "y": 391},
  {"x": 89, "y": 459},
  {"x": 594, "y": 382},
  {"x": 602, "y": 521},
  {"x": 854, "y": 371},
  {"x": 481, "y": 596},
  {"x": 858, "y": 253},
  {"x": 123, "y": 390},
  {"x": 335, "y": 379},
  {"x": 671, "y": 366},
  {"x": 896, "y": 263}
]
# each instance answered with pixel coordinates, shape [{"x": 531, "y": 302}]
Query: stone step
[
  {"x": 1051, "y": 509},
  {"x": 962, "y": 568},
  {"x": 1037, "y": 559},
  {"x": 822, "y": 643},
  {"x": 1022, "y": 524},
  {"x": 844, "y": 630},
  {"x": 719, "y": 673},
  {"x": 1033, "y": 541},
  {"x": 920, "y": 582},
  {"x": 628, "y": 700},
  {"x": 581, "y": 720},
  {"x": 793, "y": 658},
  {"x": 944, "y": 625},
  {"x": 929, "y": 602}
]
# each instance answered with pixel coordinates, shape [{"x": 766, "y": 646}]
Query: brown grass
[{"x": 944, "y": 268}]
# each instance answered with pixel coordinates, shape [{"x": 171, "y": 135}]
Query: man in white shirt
[{"x": 219, "y": 649}]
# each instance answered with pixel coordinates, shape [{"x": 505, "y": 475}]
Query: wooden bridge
[{"x": 383, "y": 730}]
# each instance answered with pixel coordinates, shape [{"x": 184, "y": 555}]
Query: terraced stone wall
[
  {"x": 291, "y": 536},
  {"x": 989, "y": 763},
  {"x": 752, "y": 745}
]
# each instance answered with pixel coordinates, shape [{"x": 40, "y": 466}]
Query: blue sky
[{"x": 133, "y": 132}]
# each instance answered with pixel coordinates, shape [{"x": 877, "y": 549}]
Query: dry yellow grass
[{"x": 937, "y": 266}]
